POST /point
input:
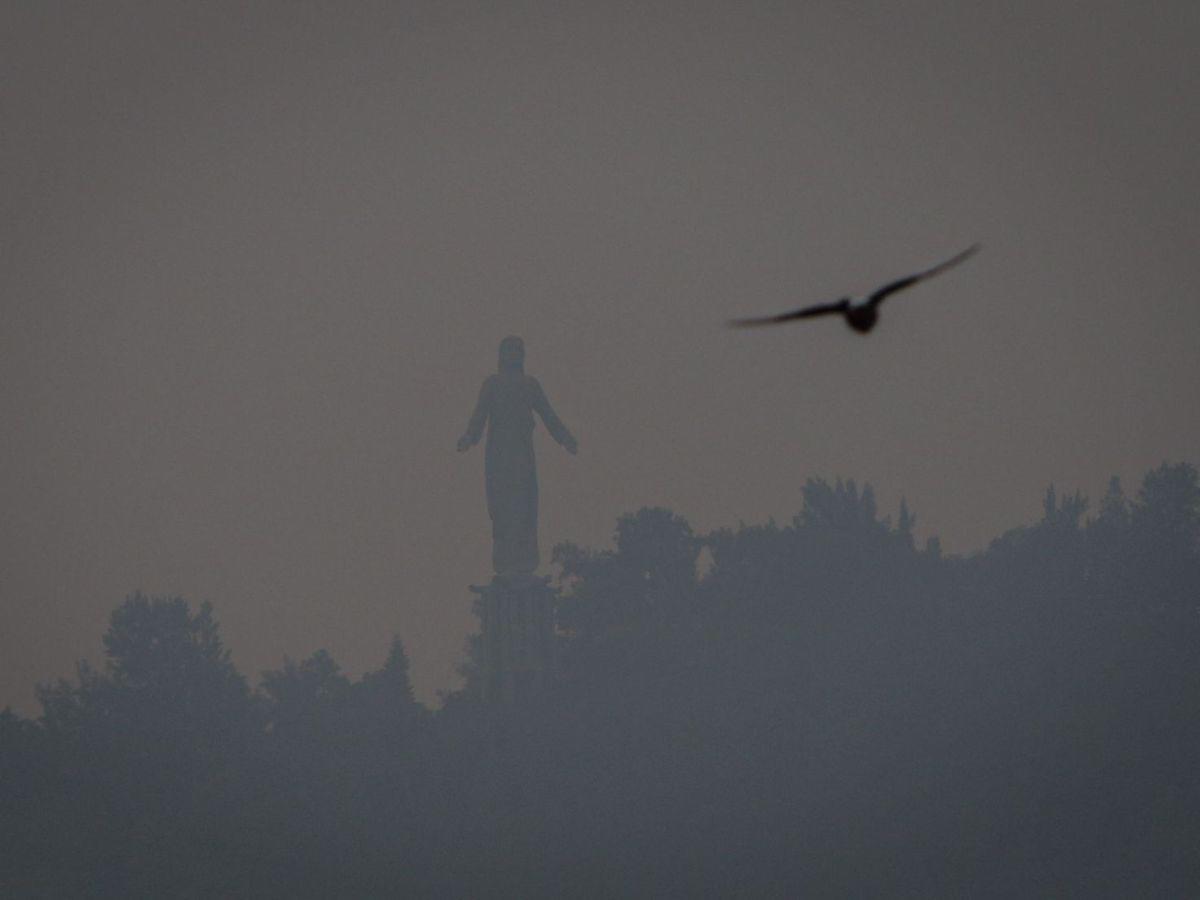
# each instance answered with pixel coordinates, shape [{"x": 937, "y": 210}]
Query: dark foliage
[{"x": 819, "y": 708}]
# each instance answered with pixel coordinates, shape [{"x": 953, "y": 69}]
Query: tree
[
  {"x": 648, "y": 578},
  {"x": 303, "y": 697},
  {"x": 1165, "y": 539},
  {"x": 1168, "y": 506},
  {"x": 383, "y": 699},
  {"x": 839, "y": 507},
  {"x": 167, "y": 677}
]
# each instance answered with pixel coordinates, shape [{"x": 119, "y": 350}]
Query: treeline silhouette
[{"x": 818, "y": 708}]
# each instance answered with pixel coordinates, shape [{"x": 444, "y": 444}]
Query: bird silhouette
[{"x": 860, "y": 315}]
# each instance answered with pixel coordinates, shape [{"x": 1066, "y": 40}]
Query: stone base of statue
[{"x": 516, "y": 659}]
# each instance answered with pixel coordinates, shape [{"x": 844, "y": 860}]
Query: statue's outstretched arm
[
  {"x": 474, "y": 431},
  {"x": 553, "y": 424}
]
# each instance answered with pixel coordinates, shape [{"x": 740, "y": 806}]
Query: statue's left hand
[{"x": 571, "y": 445}]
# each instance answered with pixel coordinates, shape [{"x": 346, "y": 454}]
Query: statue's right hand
[{"x": 465, "y": 443}]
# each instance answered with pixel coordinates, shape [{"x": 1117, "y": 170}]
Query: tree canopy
[{"x": 820, "y": 707}]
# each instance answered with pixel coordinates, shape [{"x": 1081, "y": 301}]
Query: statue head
[{"x": 512, "y": 354}]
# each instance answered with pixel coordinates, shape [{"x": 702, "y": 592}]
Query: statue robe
[{"x": 506, "y": 405}]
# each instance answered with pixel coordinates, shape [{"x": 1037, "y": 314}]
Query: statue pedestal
[{"x": 517, "y": 617}]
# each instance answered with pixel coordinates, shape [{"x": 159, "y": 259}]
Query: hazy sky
[{"x": 258, "y": 257}]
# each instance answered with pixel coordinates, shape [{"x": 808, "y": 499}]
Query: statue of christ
[{"x": 507, "y": 402}]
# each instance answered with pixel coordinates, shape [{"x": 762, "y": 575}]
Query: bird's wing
[
  {"x": 901, "y": 283},
  {"x": 807, "y": 312}
]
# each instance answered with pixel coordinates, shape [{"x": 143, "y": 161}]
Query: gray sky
[{"x": 257, "y": 259}]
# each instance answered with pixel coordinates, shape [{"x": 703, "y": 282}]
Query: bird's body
[
  {"x": 863, "y": 314},
  {"x": 861, "y": 318}
]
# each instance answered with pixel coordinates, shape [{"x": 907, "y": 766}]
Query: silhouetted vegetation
[{"x": 821, "y": 708}]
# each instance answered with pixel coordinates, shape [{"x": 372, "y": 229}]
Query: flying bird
[{"x": 860, "y": 315}]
